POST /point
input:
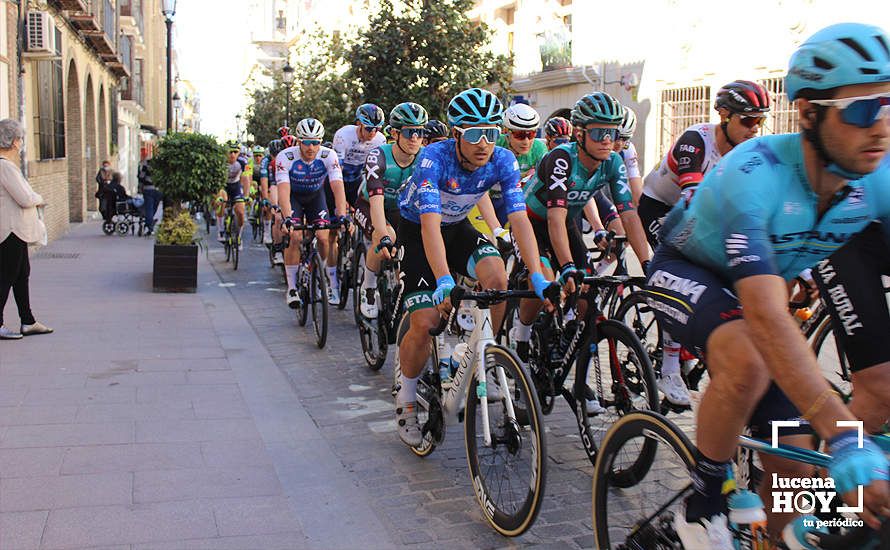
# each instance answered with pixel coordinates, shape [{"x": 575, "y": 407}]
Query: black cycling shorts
[
  {"x": 690, "y": 303},
  {"x": 851, "y": 287},
  {"x": 363, "y": 218},
  {"x": 350, "y": 188},
  {"x": 652, "y": 213},
  {"x": 576, "y": 244},
  {"x": 464, "y": 248},
  {"x": 310, "y": 208},
  {"x": 234, "y": 193}
]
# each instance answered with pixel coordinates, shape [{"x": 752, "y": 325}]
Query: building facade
[{"x": 665, "y": 59}]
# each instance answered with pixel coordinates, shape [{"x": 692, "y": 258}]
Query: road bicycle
[
  {"x": 311, "y": 279},
  {"x": 255, "y": 218},
  {"x": 347, "y": 268},
  {"x": 503, "y": 434},
  {"x": 634, "y": 506},
  {"x": 231, "y": 236},
  {"x": 376, "y": 335}
]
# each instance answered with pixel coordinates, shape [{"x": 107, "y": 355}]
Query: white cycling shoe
[
  {"x": 368, "y": 305},
  {"x": 674, "y": 389},
  {"x": 713, "y": 534},
  {"x": 293, "y": 299},
  {"x": 278, "y": 258},
  {"x": 334, "y": 294},
  {"x": 267, "y": 238},
  {"x": 407, "y": 425}
]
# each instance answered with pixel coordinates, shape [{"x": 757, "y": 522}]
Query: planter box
[{"x": 175, "y": 268}]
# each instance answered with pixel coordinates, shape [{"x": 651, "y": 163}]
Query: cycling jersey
[
  {"x": 383, "y": 176},
  {"x": 439, "y": 185},
  {"x": 353, "y": 152},
  {"x": 690, "y": 157},
  {"x": 261, "y": 170},
  {"x": 562, "y": 181},
  {"x": 756, "y": 213},
  {"x": 631, "y": 160},
  {"x": 235, "y": 170},
  {"x": 267, "y": 169},
  {"x": 306, "y": 177}
]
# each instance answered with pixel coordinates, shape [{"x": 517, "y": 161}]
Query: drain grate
[{"x": 56, "y": 256}]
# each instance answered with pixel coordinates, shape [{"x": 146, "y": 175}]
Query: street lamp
[
  {"x": 168, "y": 10},
  {"x": 238, "y": 127},
  {"x": 288, "y": 79},
  {"x": 177, "y": 105}
]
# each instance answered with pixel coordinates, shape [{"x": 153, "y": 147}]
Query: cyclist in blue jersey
[
  {"x": 301, "y": 172},
  {"x": 775, "y": 206},
  {"x": 448, "y": 180}
]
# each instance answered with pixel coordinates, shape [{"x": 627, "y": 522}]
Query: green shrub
[
  {"x": 177, "y": 229},
  {"x": 188, "y": 167}
]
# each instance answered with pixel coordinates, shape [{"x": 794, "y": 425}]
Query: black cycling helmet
[
  {"x": 370, "y": 115},
  {"x": 275, "y": 147},
  {"x": 743, "y": 97},
  {"x": 436, "y": 129}
]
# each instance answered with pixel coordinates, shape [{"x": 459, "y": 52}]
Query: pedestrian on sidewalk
[
  {"x": 114, "y": 192},
  {"x": 103, "y": 178},
  {"x": 151, "y": 195},
  {"x": 19, "y": 226}
]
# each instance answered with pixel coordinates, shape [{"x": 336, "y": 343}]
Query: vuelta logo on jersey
[{"x": 453, "y": 184}]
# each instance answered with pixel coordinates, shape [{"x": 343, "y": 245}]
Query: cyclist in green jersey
[
  {"x": 563, "y": 184},
  {"x": 377, "y": 208}
]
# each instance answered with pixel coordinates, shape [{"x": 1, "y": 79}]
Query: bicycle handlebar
[
  {"x": 597, "y": 254},
  {"x": 486, "y": 298},
  {"x": 317, "y": 226}
]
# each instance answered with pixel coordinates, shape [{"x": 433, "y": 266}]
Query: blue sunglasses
[
  {"x": 600, "y": 134},
  {"x": 475, "y": 135},
  {"x": 860, "y": 111},
  {"x": 409, "y": 133}
]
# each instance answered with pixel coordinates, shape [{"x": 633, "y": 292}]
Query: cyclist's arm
[
  {"x": 282, "y": 183},
  {"x": 245, "y": 181},
  {"x": 592, "y": 213},
  {"x": 559, "y": 236},
  {"x": 488, "y": 213},
  {"x": 689, "y": 154},
  {"x": 375, "y": 185},
  {"x": 335, "y": 177},
  {"x": 623, "y": 201}
]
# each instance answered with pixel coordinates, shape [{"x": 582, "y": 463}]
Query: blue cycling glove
[
  {"x": 851, "y": 465},
  {"x": 539, "y": 283},
  {"x": 566, "y": 271},
  {"x": 444, "y": 284}
]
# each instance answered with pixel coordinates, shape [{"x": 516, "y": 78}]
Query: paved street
[{"x": 211, "y": 420}]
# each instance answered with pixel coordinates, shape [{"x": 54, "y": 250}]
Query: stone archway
[
  {"x": 103, "y": 126},
  {"x": 91, "y": 151},
  {"x": 74, "y": 145}
]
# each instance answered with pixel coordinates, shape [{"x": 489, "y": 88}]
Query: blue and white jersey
[
  {"x": 304, "y": 177},
  {"x": 353, "y": 152},
  {"x": 755, "y": 212},
  {"x": 440, "y": 186}
]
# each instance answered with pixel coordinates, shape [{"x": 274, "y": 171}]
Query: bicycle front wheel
[
  {"x": 832, "y": 358},
  {"x": 318, "y": 295},
  {"x": 509, "y": 474},
  {"x": 236, "y": 244},
  {"x": 641, "y": 516}
]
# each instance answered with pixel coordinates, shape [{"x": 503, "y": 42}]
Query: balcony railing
[{"x": 133, "y": 8}]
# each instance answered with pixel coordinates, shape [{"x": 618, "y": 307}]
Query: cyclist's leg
[
  {"x": 292, "y": 254},
  {"x": 470, "y": 253},
  {"x": 221, "y": 199},
  {"x": 704, "y": 315},
  {"x": 851, "y": 287},
  {"x": 528, "y": 308}
]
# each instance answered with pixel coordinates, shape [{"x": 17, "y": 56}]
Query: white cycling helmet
[
  {"x": 628, "y": 124},
  {"x": 521, "y": 117},
  {"x": 310, "y": 128}
]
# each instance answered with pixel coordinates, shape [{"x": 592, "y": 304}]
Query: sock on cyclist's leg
[
  {"x": 408, "y": 390},
  {"x": 670, "y": 361},
  {"x": 370, "y": 280},
  {"x": 706, "y": 500},
  {"x": 523, "y": 332},
  {"x": 332, "y": 275},
  {"x": 291, "y": 272},
  {"x": 267, "y": 227}
]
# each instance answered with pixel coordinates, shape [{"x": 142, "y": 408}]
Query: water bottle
[
  {"x": 445, "y": 366},
  {"x": 460, "y": 350},
  {"x": 794, "y": 534},
  {"x": 747, "y": 519}
]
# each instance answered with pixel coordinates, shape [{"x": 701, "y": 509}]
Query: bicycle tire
[
  {"x": 303, "y": 310},
  {"x": 636, "y": 304},
  {"x": 654, "y": 428},
  {"x": 516, "y": 519},
  {"x": 374, "y": 359},
  {"x": 344, "y": 273},
  {"x": 236, "y": 244},
  {"x": 357, "y": 281},
  {"x": 318, "y": 293},
  {"x": 841, "y": 379},
  {"x": 429, "y": 444},
  {"x": 639, "y": 387}
]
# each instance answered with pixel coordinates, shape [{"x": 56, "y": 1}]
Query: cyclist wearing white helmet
[
  {"x": 624, "y": 147},
  {"x": 301, "y": 172}
]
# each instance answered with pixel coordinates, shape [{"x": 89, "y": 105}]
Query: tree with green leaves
[
  {"x": 427, "y": 53},
  {"x": 188, "y": 167}
]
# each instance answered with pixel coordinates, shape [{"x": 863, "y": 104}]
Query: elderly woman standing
[{"x": 19, "y": 225}]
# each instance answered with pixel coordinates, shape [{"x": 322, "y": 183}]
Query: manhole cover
[{"x": 56, "y": 256}]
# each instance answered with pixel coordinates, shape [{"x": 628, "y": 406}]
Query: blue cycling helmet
[
  {"x": 474, "y": 107},
  {"x": 407, "y": 114},
  {"x": 839, "y": 55},
  {"x": 369, "y": 114}
]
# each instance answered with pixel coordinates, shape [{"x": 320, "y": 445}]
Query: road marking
[
  {"x": 249, "y": 283},
  {"x": 358, "y": 387},
  {"x": 362, "y": 406},
  {"x": 226, "y": 284},
  {"x": 275, "y": 289}
]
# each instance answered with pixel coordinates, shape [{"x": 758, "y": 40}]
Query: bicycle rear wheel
[
  {"x": 305, "y": 296},
  {"x": 236, "y": 244},
  {"x": 623, "y": 382},
  {"x": 509, "y": 475},
  {"x": 832, "y": 358},
  {"x": 318, "y": 295},
  {"x": 640, "y": 515},
  {"x": 357, "y": 280},
  {"x": 425, "y": 391},
  {"x": 344, "y": 267}
]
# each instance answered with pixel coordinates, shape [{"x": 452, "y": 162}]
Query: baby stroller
[{"x": 128, "y": 217}]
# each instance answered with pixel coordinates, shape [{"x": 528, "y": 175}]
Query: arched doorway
[
  {"x": 74, "y": 145},
  {"x": 91, "y": 151},
  {"x": 103, "y": 127}
]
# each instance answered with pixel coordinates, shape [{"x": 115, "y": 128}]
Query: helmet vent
[
  {"x": 823, "y": 63},
  {"x": 868, "y": 71},
  {"x": 883, "y": 44},
  {"x": 852, "y": 44}
]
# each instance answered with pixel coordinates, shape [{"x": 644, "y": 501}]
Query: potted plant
[
  {"x": 176, "y": 254},
  {"x": 185, "y": 168}
]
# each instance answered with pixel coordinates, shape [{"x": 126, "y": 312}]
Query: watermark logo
[{"x": 813, "y": 495}]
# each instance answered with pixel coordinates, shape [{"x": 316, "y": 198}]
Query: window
[
  {"x": 782, "y": 118},
  {"x": 680, "y": 109},
  {"x": 281, "y": 21},
  {"x": 50, "y": 123}
]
